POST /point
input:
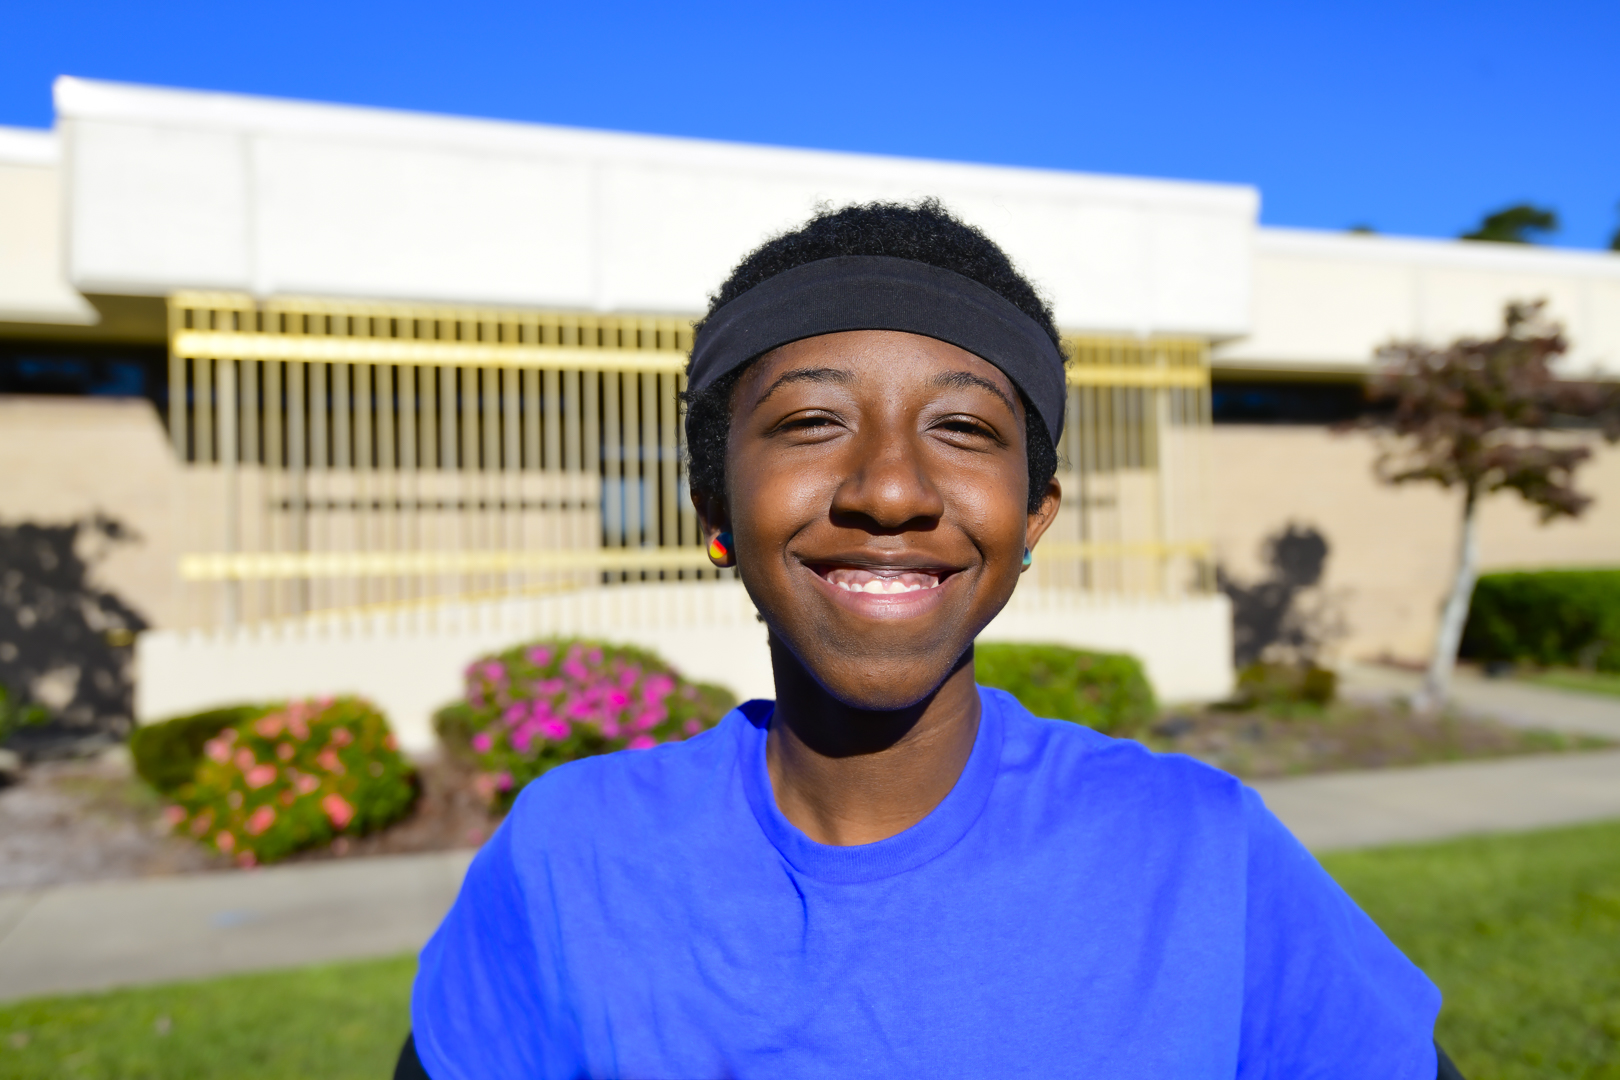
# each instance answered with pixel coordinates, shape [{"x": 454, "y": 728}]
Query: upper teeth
[{"x": 867, "y": 582}]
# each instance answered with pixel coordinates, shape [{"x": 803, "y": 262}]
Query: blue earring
[{"x": 1028, "y": 558}]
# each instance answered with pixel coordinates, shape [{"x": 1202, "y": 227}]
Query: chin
[{"x": 880, "y": 684}]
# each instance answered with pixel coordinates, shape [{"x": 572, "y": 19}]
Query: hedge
[
  {"x": 1105, "y": 691},
  {"x": 1549, "y": 618},
  {"x": 293, "y": 777},
  {"x": 536, "y": 706},
  {"x": 167, "y": 753}
]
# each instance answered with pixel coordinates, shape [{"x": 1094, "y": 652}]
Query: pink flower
[
  {"x": 245, "y": 759},
  {"x": 306, "y": 783},
  {"x": 285, "y": 751},
  {"x": 218, "y": 749},
  {"x": 260, "y": 820},
  {"x": 555, "y": 730},
  {"x": 338, "y": 810},
  {"x": 328, "y": 760},
  {"x": 174, "y": 815},
  {"x": 342, "y": 736},
  {"x": 692, "y": 727},
  {"x": 503, "y": 781},
  {"x": 482, "y": 743},
  {"x": 260, "y": 775},
  {"x": 224, "y": 841},
  {"x": 246, "y": 860},
  {"x": 641, "y": 742},
  {"x": 204, "y": 822},
  {"x": 574, "y": 669},
  {"x": 268, "y": 726},
  {"x": 540, "y": 656},
  {"x": 297, "y": 727}
]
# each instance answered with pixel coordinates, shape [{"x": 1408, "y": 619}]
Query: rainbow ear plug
[{"x": 720, "y": 552}]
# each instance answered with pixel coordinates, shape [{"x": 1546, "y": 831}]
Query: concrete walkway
[
  {"x": 89, "y": 937},
  {"x": 123, "y": 933},
  {"x": 1520, "y": 704}
]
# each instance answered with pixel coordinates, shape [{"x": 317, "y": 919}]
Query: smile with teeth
[{"x": 883, "y": 582}]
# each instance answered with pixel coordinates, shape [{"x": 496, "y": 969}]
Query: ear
[
  {"x": 712, "y": 516},
  {"x": 1041, "y": 520}
]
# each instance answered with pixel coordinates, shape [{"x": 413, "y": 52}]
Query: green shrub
[
  {"x": 295, "y": 778},
  {"x": 533, "y": 707},
  {"x": 1105, "y": 691},
  {"x": 1549, "y": 618},
  {"x": 167, "y": 753},
  {"x": 1264, "y": 683},
  {"x": 16, "y": 713}
]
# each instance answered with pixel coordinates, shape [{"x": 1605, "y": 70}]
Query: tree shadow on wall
[
  {"x": 1283, "y": 617},
  {"x": 65, "y": 644}
]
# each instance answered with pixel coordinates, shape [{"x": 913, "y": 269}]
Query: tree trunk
[{"x": 1437, "y": 684}]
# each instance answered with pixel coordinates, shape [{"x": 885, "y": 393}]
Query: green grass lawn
[
  {"x": 1583, "y": 682},
  {"x": 330, "y": 1022},
  {"x": 1521, "y": 932}
]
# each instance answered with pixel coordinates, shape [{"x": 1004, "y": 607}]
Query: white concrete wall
[
  {"x": 1329, "y": 300},
  {"x": 33, "y": 272},
  {"x": 68, "y": 458},
  {"x": 176, "y": 189},
  {"x": 410, "y": 665}
]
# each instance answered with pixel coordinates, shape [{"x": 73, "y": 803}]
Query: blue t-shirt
[{"x": 1076, "y": 906}]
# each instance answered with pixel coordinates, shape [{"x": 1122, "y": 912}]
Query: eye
[
  {"x": 967, "y": 425},
  {"x": 807, "y": 423}
]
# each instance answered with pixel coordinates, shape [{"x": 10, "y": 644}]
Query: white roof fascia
[
  {"x": 95, "y": 100},
  {"x": 28, "y": 146},
  {"x": 1424, "y": 251}
]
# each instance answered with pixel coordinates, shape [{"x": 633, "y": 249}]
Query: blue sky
[{"x": 1413, "y": 117}]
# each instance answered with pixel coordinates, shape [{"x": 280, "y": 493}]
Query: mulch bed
[
  {"x": 89, "y": 820},
  {"x": 1297, "y": 739},
  {"x": 93, "y": 820}
]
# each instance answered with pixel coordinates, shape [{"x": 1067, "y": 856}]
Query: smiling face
[{"x": 878, "y": 495}]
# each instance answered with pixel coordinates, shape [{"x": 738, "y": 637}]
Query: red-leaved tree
[{"x": 1475, "y": 416}]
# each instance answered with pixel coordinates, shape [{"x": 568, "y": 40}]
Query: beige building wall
[
  {"x": 1391, "y": 549},
  {"x": 64, "y": 459}
]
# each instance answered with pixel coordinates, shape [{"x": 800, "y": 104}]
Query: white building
[{"x": 147, "y": 215}]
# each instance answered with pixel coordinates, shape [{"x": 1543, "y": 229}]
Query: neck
[{"x": 844, "y": 775}]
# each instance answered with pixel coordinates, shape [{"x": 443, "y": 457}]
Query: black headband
[{"x": 877, "y": 292}]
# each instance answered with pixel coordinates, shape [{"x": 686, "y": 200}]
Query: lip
[{"x": 845, "y": 581}]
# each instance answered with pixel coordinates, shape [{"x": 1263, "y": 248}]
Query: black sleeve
[
  {"x": 1447, "y": 1070},
  {"x": 409, "y": 1066}
]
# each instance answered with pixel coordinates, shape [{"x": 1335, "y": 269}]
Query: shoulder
[{"x": 631, "y": 789}]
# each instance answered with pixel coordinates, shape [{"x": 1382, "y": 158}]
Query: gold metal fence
[{"x": 344, "y": 455}]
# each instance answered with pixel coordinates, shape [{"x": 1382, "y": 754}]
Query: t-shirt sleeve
[
  {"x": 477, "y": 1008},
  {"x": 1326, "y": 995}
]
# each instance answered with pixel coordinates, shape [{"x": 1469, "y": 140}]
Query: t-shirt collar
[{"x": 933, "y": 835}]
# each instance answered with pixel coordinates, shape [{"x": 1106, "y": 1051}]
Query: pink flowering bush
[
  {"x": 296, "y": 777},
  {"x": 534, "y": 707}
]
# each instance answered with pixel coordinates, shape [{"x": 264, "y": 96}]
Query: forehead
[{"x": 875, "y": 361}]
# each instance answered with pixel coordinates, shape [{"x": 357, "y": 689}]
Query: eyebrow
[
  {"x": 956, "y": 379},
  {"x": 832, "y": 375}
]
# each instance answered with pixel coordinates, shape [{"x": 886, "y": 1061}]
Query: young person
[{"x": 891, "y": 871}]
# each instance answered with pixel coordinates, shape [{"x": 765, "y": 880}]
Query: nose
[{"x": 888, "y": 487}]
